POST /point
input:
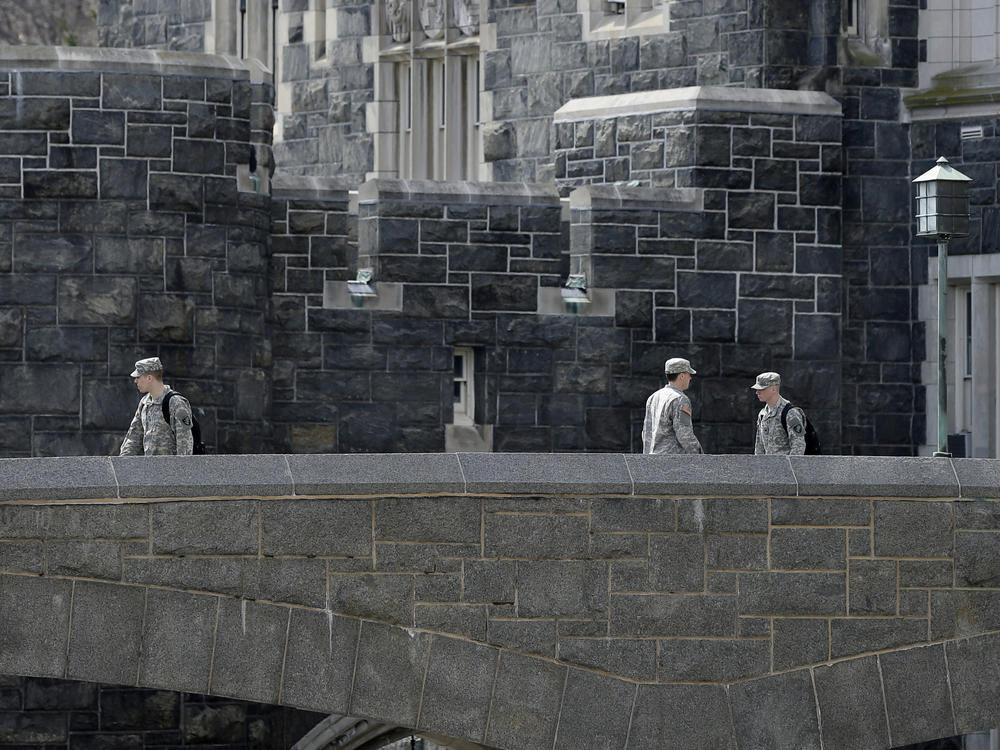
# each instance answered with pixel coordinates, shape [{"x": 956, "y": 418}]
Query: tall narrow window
[
  {"x": 319, "y": 29},
  {"x": 436, "y": 117},
  {"x": 464, "y": 400}
]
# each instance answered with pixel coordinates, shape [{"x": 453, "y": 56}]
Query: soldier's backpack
[
  {"x": 813, "y": 446},
  {"x": 199, "y": 446}
]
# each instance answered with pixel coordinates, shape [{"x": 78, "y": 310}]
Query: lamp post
[{"x": 942, "y": 212}]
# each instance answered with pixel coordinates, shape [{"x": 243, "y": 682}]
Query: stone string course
[{"x": 854, "y": 598}]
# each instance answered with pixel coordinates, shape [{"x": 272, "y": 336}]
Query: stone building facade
[{"x": 730, "y": 180}]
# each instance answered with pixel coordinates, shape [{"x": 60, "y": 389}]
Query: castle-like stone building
[{"x": 426, "y": 225}]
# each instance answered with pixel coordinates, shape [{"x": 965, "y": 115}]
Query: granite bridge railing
[{"x": 524, "y": 601}]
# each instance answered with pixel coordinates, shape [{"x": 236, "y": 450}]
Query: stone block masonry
[
  {"x": 732, "y": 242},
  {"x": 126, "y": 234},
  {"x": 488, "y": 588}
]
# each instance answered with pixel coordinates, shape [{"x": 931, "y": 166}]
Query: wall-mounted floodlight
[
  {"x": 574, "y": 293},
  {"x": 361, "y": 287}
]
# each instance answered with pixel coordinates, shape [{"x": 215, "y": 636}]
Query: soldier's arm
[
  {"x": 647, "y": 428},
  {"x": 796, "y": 421},
  {"x": 683, "y": 428},
  {"x": 758, "y": 442},
  {"x": 132, "y": 444},
  {"x": 180, "y": 422}
]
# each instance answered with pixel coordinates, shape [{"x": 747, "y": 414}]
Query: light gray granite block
[
  {"x": 65, "y": 478},
  {"x": 202, "y": 476},
  {"x": 372, "y": 474},
  {"x": 569, "y": 473},
  {"x": 107, "y": 628},
  {"x": 875, "y": 476},
  {"x": 710, "y": 475}
]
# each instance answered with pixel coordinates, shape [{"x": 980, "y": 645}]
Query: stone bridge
[{"x": 523, "y": 601}]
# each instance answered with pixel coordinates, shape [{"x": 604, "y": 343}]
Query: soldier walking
[
  {"x": 150, "y": 434},
  {"x": 772, "y": 436},
  {"x": 667, "y": 427}
]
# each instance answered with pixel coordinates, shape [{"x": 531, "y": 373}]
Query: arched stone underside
[{"x": 511, "y": 601}]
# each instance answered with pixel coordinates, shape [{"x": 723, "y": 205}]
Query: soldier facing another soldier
[
  {"x": 667, "y": 428},
  {"x": 773, "y": 437},
  {"x": 150, "y": 434}
]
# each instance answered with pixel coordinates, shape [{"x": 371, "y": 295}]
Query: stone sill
[
  {"x": 115, "y": 479},
  {"x": 154, "y": 61}
]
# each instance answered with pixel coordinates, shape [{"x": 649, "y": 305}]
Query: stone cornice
[{"x": 579, "y": 474}]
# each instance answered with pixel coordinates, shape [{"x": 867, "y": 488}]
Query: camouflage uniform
[
  {"x": 773, "y": 439},
  {"x": 150, "y": 435},
  {"x": 667, "y": 428}
]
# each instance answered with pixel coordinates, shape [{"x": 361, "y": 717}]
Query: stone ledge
[
  {"x": 717, "y": 98},
  {"x": 711, "y": 475},
  {"x": 429, "y": 191},
  {"x": 372, "y": 474},
  {"x": 585, "y": 474},
  {"x": 154, "y": 61},
  {"x": 875, "y": 476},
  {"x": 69, "y": 478},
  {"x": 202, "y": 476}
]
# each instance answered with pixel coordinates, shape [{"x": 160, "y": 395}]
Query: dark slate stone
[
  {"x": 34, "y": 114},
  {"x": 751, "y": 210},
  {"x": 819, "y": 189},
  {"x": 880, "y": 104},
  {"x": 775, "y": 174},
  {"x": 132, "y": 91},
  {"x": 635, "y": 272},
  {"x": 888, "y": 342},
  {"x": 712, "y": 144},
  {"x": 504, "y": 292},
  {"x": 70, "y": 253},
  {"x": 713, "y": 325},
  {"x": 817, "y": 336},
  {"x": 702, "y": 289},
  {"x": 775, "y": 251},
  {"x": 98, "y": 127},
  {"x": 170, "y": 192},
  {"x": 202, "y": 157},
  {"x": 765, "y": 321},
  {"x": 60, "y": 184},
  {"x": 123, "y": 178},
  {"x": 70, "y": 157}
]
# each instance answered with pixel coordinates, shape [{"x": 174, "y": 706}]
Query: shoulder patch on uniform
[
  {"x": 686, "y": 409},
  {"x": 186, "y": 420},
  {"x": 797, "y": 429}
]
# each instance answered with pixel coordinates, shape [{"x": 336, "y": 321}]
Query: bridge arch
[{"x": 195, "y": 574}]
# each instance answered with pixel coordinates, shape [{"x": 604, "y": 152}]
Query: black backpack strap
[
  {"x": 166, "y": 406},
  {"x": 784, "y": 417}
]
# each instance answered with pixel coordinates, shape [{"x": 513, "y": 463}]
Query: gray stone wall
[
  {"x": 160, "y": 24},
  {"x": 741, "y": 272},
  {"x": 124, "y": 234},
  {"x": 853, "y": 597},
  {"x": 63, "y": 714}
]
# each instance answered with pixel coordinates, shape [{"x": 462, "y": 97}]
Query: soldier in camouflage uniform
[
  {"x": 149, "y": 434},
  {"x": 667, "y": 428},
  {"x": 772, "y": 438}
]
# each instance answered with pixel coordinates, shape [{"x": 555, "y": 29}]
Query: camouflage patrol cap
[
  {"x": 766, "y": 380},
  {"x": 152, "y": 364},
  {"x": 675, "y": 365}
]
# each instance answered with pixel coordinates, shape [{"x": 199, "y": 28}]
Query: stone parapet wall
[
  {"x": 124, "y": 233},
  {"x": 592, "y": 593}
]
